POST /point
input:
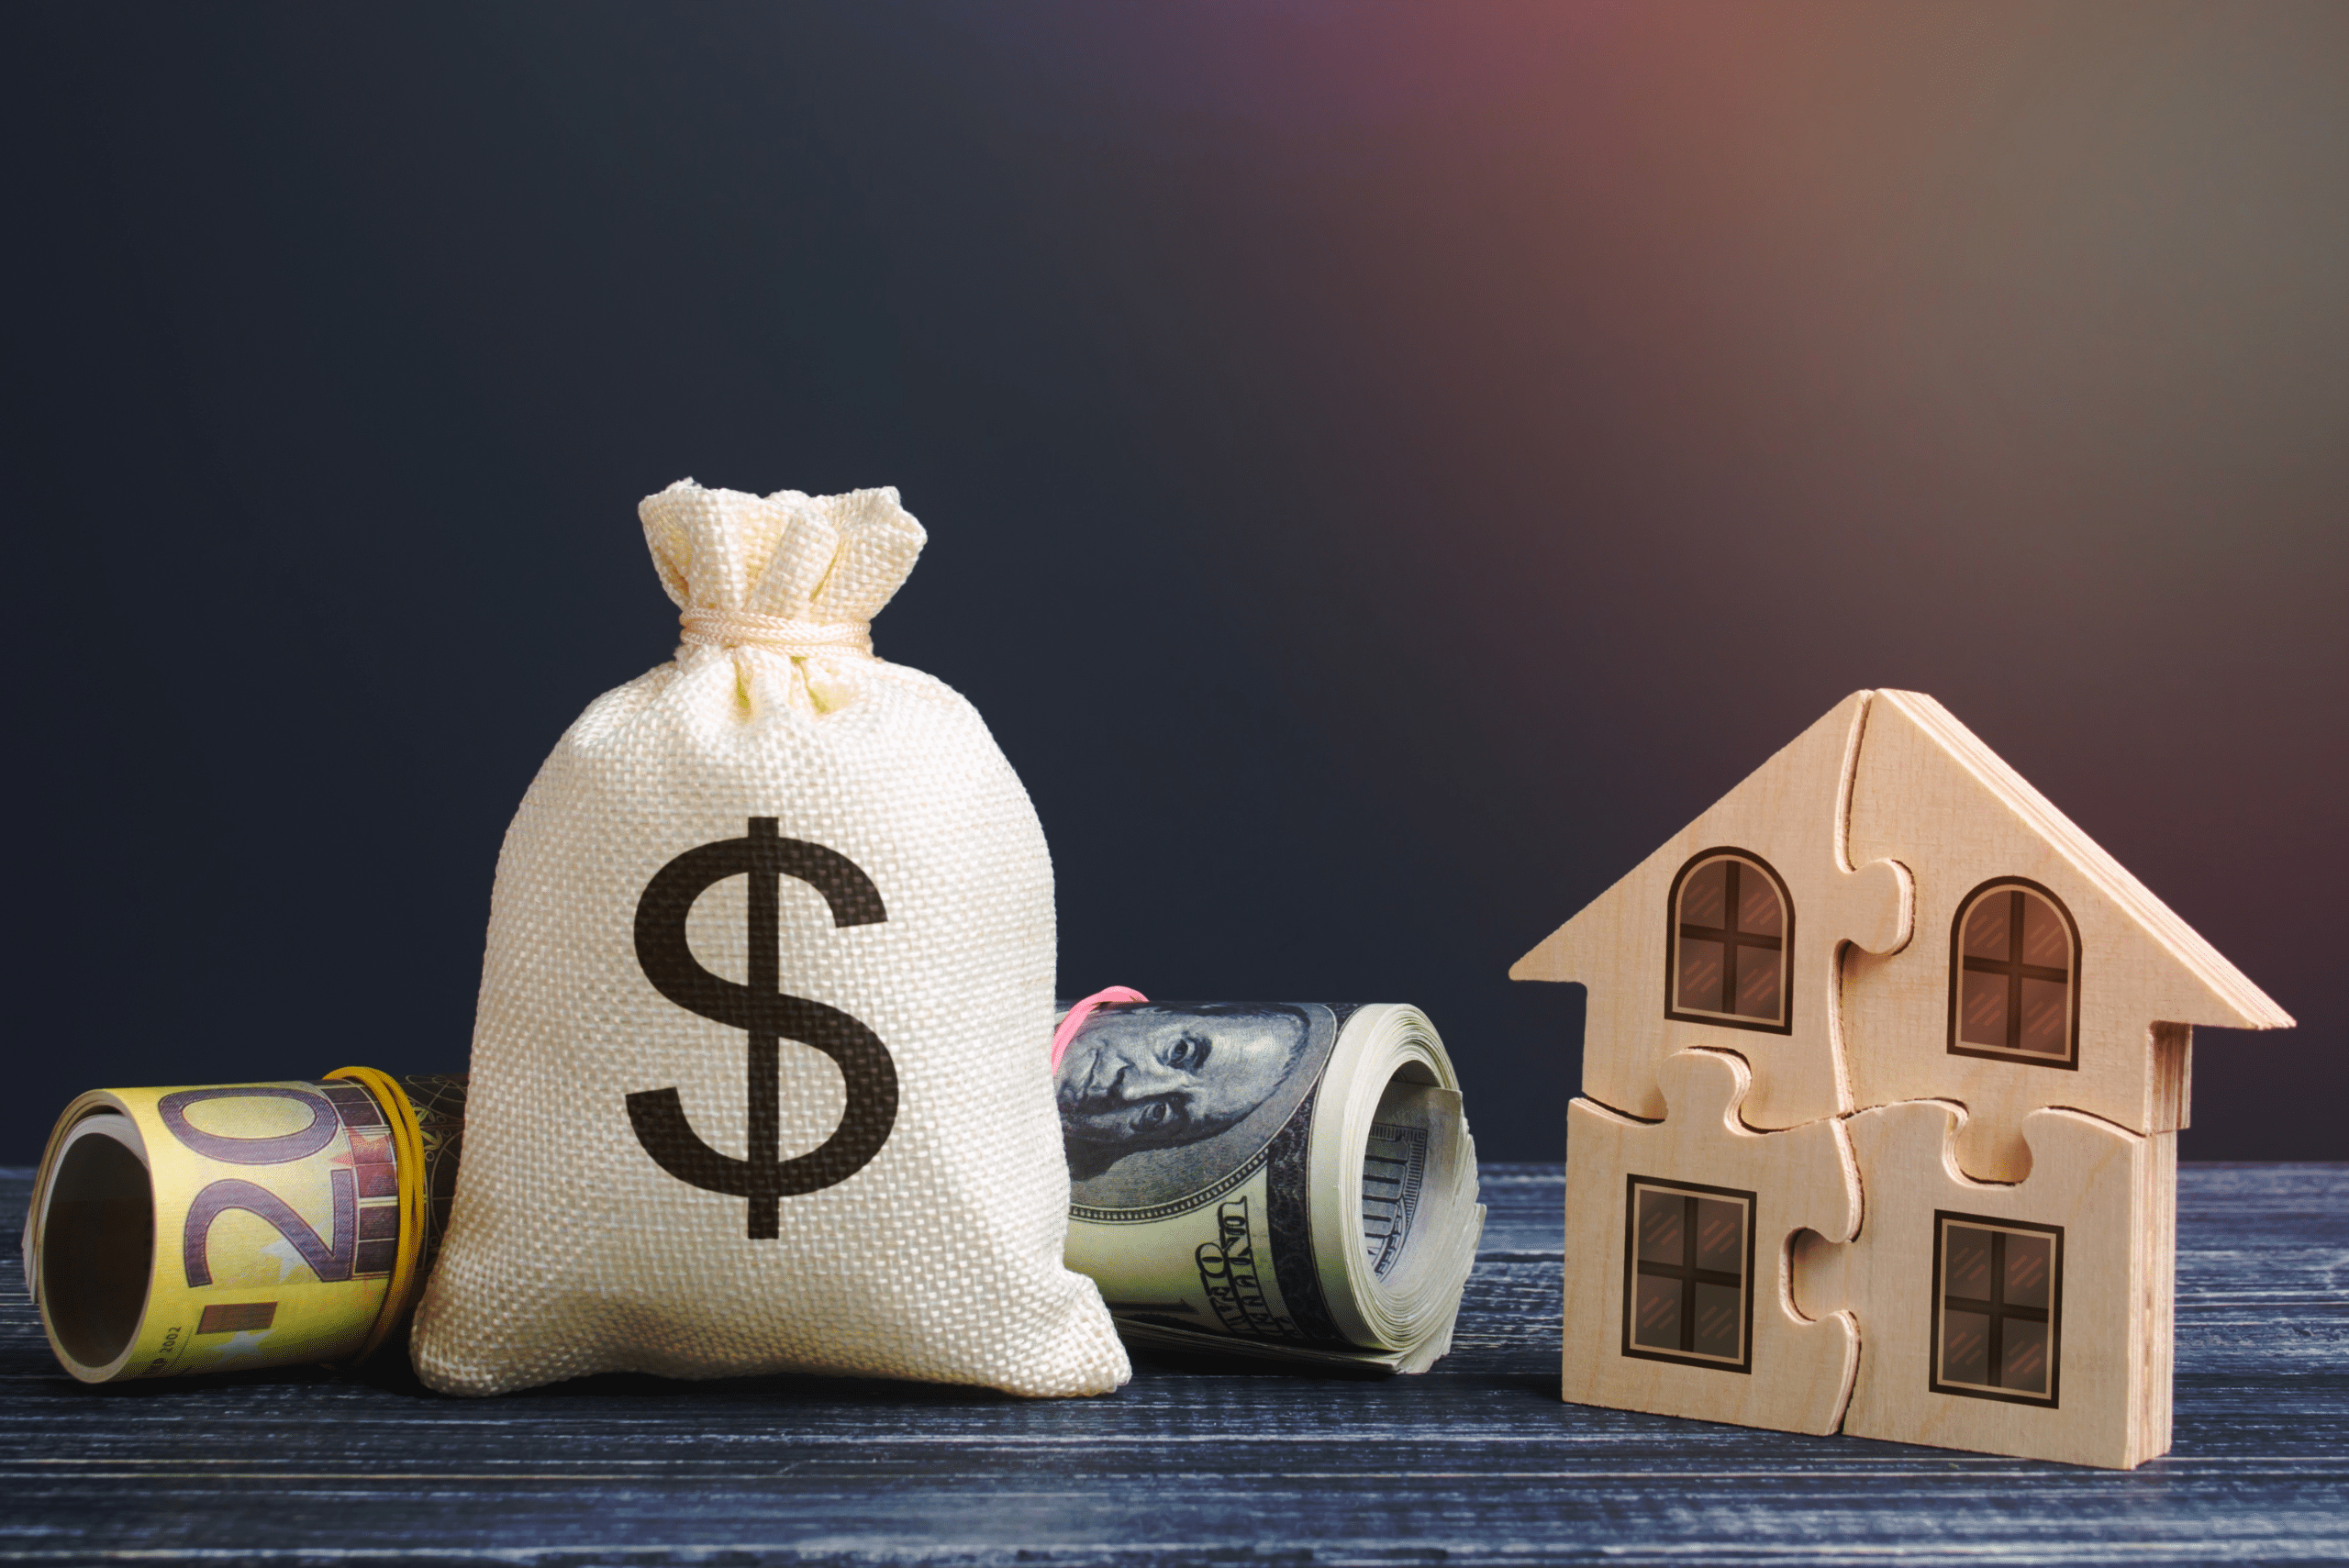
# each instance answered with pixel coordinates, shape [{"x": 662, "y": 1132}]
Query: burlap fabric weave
[{"x": 912, "y": 915}]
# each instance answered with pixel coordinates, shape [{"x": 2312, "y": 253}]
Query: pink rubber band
[{"x": 1084, "y": 1011}]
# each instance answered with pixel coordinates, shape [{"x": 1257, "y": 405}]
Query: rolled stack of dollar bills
[
  {"x": 234, "y": 1226},
  {"x": 1289, "y": 1179}
]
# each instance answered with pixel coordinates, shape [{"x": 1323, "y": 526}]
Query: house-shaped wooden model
[{"x": 1883, "y": 1076}]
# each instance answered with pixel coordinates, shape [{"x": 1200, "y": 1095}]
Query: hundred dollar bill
[
  {"x": 1275, "y": 1179},
  {"x": 233, "y": 1225}
]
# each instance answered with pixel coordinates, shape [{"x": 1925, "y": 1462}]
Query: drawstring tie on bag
[{"x": 796, "y": 638}]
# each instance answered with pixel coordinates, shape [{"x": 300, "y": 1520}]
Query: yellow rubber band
[{"x": 407, "y": 1148}]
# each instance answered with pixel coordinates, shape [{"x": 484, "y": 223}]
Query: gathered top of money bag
[{"x": 790, "y": 582}]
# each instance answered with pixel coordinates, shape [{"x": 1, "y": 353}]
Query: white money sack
[{"x": 757, "y": 1078}]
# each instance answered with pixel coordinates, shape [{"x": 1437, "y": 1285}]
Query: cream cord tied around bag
[{"x": 740, "y": 629}]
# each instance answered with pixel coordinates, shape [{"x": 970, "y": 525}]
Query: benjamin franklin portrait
[{"x": 1142, "y": 1078}]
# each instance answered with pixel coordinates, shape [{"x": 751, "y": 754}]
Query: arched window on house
[
  {"x": 1731, "y": 946},
  {"x": 2014, "y": 984}
]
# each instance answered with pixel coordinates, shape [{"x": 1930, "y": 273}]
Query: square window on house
[
  {"x": 1689, "y": 1275},
  {"x": 1998, "y": 1308}
]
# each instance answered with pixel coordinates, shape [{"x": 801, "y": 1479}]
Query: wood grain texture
[
  {"x": 1930, "y": 796},
  {"x": 1477, "y": 1462},
  {"x": 1790, "y": 812},
  {"x": 1797, "y": 1371}
]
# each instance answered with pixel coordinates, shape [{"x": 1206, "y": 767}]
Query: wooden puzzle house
[{"x": 1883, "y": 1074}]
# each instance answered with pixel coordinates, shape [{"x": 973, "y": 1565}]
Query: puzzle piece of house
[
  {"x": 1885, "y": 952},
  {"x": 1689, "y": 1249}
]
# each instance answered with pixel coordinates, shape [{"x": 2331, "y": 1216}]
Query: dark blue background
[{"x": 1387, "y": 466}]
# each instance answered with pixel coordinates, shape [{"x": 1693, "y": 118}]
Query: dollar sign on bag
[{"x": 769, "y": 1015}]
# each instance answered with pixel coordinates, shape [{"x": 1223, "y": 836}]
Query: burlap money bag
[{"x": 758, "y": 1070}]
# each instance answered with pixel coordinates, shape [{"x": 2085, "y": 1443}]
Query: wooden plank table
[{"x": 1477, "y": 1463}]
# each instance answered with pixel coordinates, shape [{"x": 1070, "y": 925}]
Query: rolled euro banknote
[
  {"x": 1287, "y": 1180},
  {"x": 234, "y": 1226}
]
